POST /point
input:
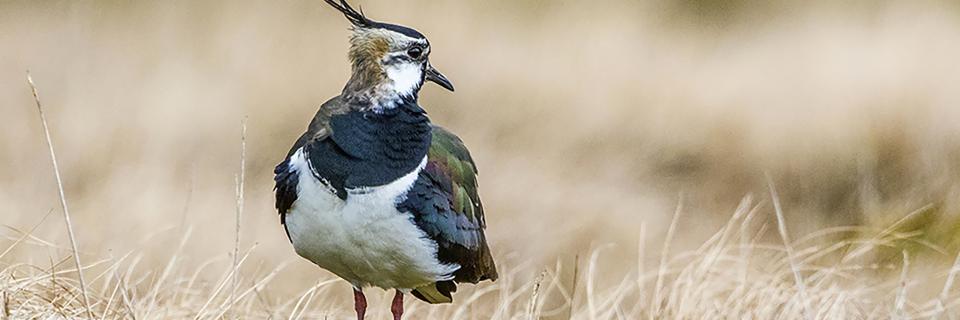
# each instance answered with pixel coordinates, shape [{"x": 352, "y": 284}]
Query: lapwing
[{"x": 373, "y": 191}]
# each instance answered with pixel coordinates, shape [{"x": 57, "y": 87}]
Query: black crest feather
[
  {"x": 359, "y": 20},
  {"x": 355, "y": 17}
]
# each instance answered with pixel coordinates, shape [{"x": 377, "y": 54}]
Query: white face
[
  {"x": 405, "y": 64},
  {"x": 406, "y": 77}
]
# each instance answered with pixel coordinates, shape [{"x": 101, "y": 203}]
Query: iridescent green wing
[
  {"x": 446, "y": 206},
  {"x": 449, "y": 163}
]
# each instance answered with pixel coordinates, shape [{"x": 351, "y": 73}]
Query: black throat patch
[{"x": 368, "y": 149}]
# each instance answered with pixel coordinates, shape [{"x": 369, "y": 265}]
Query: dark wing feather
[{"x": 446, "y": 206}]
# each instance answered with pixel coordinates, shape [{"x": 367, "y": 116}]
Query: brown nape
[{"x": 366, "y": 48}]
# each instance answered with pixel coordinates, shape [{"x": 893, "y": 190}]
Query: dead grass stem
[{"x": 63, "y": 197}]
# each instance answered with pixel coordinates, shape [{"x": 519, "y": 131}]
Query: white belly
[{"x": 364, "y": 240}]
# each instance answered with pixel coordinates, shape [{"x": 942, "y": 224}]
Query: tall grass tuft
[{"x": 732, "y": 274}]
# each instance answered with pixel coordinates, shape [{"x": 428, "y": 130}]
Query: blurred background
[{"x": 588, "y": 119}]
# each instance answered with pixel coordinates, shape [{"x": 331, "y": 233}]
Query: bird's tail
[{"x": 437, "y": 292}]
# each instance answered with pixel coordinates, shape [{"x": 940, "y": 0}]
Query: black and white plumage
[{"x": 374, "y": 192}]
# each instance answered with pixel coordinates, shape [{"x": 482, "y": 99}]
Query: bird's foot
[
  {"x": 359, "y": 303},
  {"x": 397, "y": 306}
]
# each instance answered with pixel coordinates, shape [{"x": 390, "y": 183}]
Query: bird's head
[{"x": 387, "y": 57}]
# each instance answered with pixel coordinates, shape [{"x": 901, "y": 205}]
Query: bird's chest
[{"x": 364, "y": 239}]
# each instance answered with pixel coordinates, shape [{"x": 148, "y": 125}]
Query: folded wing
[{"x": 446, "y": 206}]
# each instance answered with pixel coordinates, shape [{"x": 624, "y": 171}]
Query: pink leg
[
  {"x": 397, "y": 307},
  {"x": 359, "y": 303}
]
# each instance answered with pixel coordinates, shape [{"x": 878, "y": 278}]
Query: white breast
[{"x": 365, "y": 239}]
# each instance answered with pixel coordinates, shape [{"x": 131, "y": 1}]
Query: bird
[{"x": 373, "y": 191}]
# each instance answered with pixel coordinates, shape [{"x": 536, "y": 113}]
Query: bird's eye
[{"x": 415, "y": 52}]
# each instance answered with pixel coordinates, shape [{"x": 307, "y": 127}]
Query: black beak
[{"x": 438, "y": 78}]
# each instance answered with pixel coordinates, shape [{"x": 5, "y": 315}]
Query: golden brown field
[{"x": 626, "y": 150}]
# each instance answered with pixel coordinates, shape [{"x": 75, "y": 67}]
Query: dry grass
[
  {"x": 587, "y": 121},
  {"x": 732, "y": 274},
  {"x": 63, "y": 199}
]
